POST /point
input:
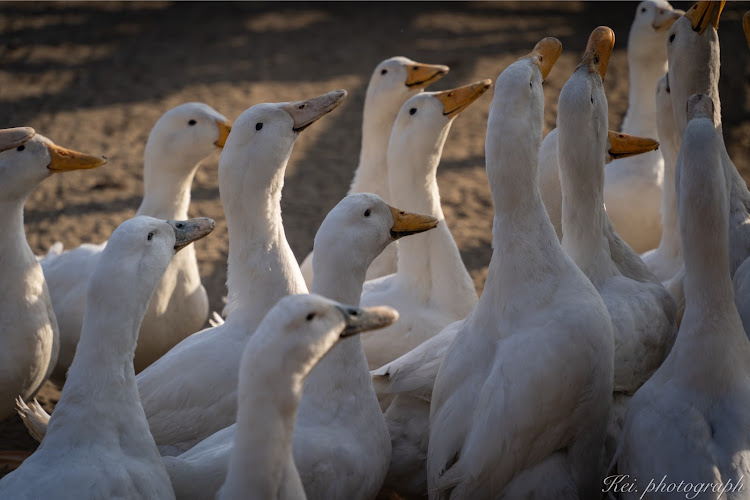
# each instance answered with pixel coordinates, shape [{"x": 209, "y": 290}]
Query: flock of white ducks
[{"x": 580, "y": 359}]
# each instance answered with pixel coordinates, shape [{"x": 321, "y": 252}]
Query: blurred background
[{"x": 96, "y": 76}]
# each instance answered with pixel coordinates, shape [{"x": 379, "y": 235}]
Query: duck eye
[
  {"x": 20, "y": 148},
  {"x": 671, "y": 38},
  {"x": 150, "y": 235},
  {"x": 643, "y": 9},
  {"x": 258, "y": 126},
  {"x": 367, "y": 212},
  {"x": 192, "y": 122},
  {"x": 310, "y": 316},
  {"x": 412, "y": 111},
  {"x": 383, "y": 72}
]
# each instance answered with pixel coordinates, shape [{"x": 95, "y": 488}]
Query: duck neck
[
  {"x": 345, "y": 366},
  {"x": 709, "y": 292},
  {"x": 584, "y": 219},
  {"x": 263, "y": 440},
  {"x": 670, "y": 218},
  {"x": 13, "y": 245},
  {"x": 431, "y": 260},
  {"x": 372, "y": 173},
  {"x": 524, "y": 243},
  {"x": 102, "y": 369},
  {"x": 166, "y": 186},
  {"x": 261, "y": 267},
  {"x": 640, "y": 118}
]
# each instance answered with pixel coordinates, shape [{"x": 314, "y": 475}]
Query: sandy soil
[{"x": 96, "y": 77}]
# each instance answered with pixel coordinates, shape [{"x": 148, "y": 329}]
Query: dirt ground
[{"x": 96, "y": 76}]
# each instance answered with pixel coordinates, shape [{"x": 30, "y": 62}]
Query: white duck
[
  {"x": 521, "y": 400},
  {"x": 689, "y": 421},
  {"x": 642, "y": 310},
  {"x": 694, "y": 67},
  {"x": 665, "y": 260},
  {"x": 341, "y": 443},
  {"x": 291, "y": 339},
  {"x": 629, "y": 175},
  {"x": 633, "y": 186},
  {"x": 29, "y": 338},
  {"x": 432, "y": 287},
  {"x": 392, "y": 82},
  {"x": 98, "y": 444},
  {"x": 191, "y": 392},
  {"x": 182, "y": 138}
]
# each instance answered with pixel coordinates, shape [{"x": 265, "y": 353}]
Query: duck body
[
  {"x": 487, "y": 437},
  {"x": 179, "y": 141},
  {"x": 393, "y": 81},
  {"x": 29, "y": 336},
  {"x": 689, "y": 420},
  {"x": 98, "y": 444}
]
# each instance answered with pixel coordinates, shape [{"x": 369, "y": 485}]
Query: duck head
[
  {"x": 400, "y": 76},
  {"x": 582, "y": 107},
  {"x": 25, "y": 166},
  {"x": 649, "y": 31},
  {"x": 263, "y": 136},
  {"x": 360, "y": 226},
  {"x": 693, "y": 54},
  {"x": 185, "y": 135},
  {"x": 422, "y": 125},
  {"x": 392, "y": 82},
  {"x": 135, "y": 258},
  {"x": 304, "y": 328}
]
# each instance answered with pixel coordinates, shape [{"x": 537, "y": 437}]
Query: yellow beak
[
  {"x": 406, "y": 223},
  {"x": 545, "y": 54},
  {"x": 623, "y": 145},
  {"x": 703, "y": 14},
  {"x": 65, "y": 160},
  {"x": 599, "y": 48},
  {"x": 420, "y": 75},
  {"x": 224, "y": 128},
  {"x": 456, "y": 100}
]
